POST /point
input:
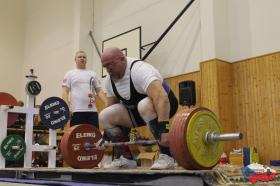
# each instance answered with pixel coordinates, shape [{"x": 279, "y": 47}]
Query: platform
[{"x": 97, "y": 176}]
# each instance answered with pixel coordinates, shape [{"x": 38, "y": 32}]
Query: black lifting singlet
[{"x": 135, "y": 97}]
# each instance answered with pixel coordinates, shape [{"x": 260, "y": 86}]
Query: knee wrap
[
  {"x": 159, "y": 127},
  {"x": 116, "y": 134},
  {"x": 119, "y": 134}
]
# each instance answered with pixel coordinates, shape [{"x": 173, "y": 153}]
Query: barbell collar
[{"x": 213, "y": 137}]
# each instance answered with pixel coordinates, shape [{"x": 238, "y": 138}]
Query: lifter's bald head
[
  {"x": 111, "y": 53},
  {"x": 114, "y": 61}
]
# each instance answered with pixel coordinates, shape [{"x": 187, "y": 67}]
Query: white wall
[
  {"x": 45, "y": 34},
  {"x": 42, "y": 35},
  {"x": 83, "y": 24},
  {"x": 254, "y": 28},
  {"x": 55, "y": 30},
  {"x": 12, "y": 16},
  {"x": 226, "y": 29},
  {"x": 179, "y": 48}
]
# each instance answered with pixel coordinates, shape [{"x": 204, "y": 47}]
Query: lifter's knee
[
  {"x": 105, "y": 118},
  {"x": 111, "y": 116},
  {"x": 146, "y": 109}
]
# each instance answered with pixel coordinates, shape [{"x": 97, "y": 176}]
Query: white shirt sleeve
[
  {"x": 108, "y": 87},
  {"x": 142, "y": 74},
  {"x": 67, "y": 80}
]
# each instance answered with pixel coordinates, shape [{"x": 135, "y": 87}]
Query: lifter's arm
[
  {"x": 100, "y": 93},
  {"x": 160, "y": 100},
  {"x": 65, "y": 95},
  {"x": 161, "y": 104},
  {"x": 112, "y": 101}
]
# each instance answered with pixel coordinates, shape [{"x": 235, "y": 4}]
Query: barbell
[{"x": 195, "y": 141}]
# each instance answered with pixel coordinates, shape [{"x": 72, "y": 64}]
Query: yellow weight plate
[{"x": 200, "y": 122}]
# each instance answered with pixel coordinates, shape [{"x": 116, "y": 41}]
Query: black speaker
[{"x": 187, "y": 93}]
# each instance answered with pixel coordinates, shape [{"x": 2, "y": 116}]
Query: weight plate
[
  {"x": 12, "y": 118},
  {"x": 13, "y": 147},
  {"x": 177, "y": 140},
  {"x": 54, "y": 112},
  {"x": 190, "y": 130},
  {"x": 73, "y": 150},
  {"x": 206, "y": 155},
  {"x": 33, "y": 88},
  {"x": 8, "y": 99}
]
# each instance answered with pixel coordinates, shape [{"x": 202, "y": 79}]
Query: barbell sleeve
[{"x": 213, "y": 137}]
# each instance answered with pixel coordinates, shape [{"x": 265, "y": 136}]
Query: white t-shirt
[
  {"x": 142, "y": 74},
  {"x": 83, "y": 85}
]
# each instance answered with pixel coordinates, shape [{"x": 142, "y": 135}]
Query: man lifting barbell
[
  {"x": 136, "y": 95},
  {"x": 195, "y": 140}
]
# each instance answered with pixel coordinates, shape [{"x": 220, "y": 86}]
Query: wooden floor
[
  {"x": 220, "y": 175},
  {"x": 139, "y": 176},
  {"x": 140, "y": 170},
  {"x": 15, "y": 184}
]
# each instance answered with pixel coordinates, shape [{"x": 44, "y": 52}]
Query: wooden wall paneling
[
  {"x": 266, "y": 106},
  {"x": 209, "y": 86},
  {"x": 217, "y": 95},
  {"x": 275, "y": 103},
  {"x": 246, "y": 100},
  {"x": 239, "y": 100},
  {"x": 259, "y": 107},
  {"x": 225, "y": 101},
  {"x": 256, "y": 103}
]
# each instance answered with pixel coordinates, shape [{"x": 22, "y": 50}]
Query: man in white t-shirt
[
  {"x": 137, "y": 95},
  {"x": 80, "y": 87}
]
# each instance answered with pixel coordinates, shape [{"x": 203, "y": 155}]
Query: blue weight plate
[{"x": 54, "y": 112}]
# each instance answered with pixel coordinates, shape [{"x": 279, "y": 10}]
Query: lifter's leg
[{"x": 116, "y": 123}]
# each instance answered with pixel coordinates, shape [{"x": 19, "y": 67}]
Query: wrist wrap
[{"x": 159, "y": 127}]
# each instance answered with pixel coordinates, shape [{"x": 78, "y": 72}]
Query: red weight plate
[
  {"x": 12, "y": 118},
  {"x": 177, "y": 139},
  {"x": 8, "y": 99},
  {"x": 177, "y": 136},
  {"x": 73, "y": 150}
]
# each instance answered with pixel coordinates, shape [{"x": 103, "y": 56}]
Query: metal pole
[
  {"x": 167, "y": 30},
  {"x": 94, "y": 43}
]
